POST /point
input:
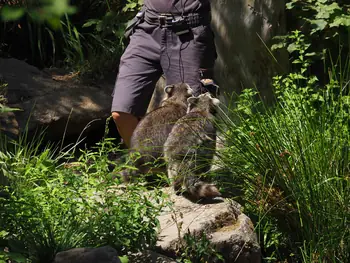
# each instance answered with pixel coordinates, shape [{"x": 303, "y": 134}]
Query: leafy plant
[
  {"x": 49, "y": 11},
  {"x": 3, "y": 108},
  {"x": 52, "y": 205},
  {"x": 326, "y": 28},
  {"x": 322, "y": 14},
  {"x": 33, "y": 25},
  {"x": 106, "y": 37},
  {"x": 132, "y": 5},
  {"x": 198, "y": 249},
  {"x": 86, "y": 38}
]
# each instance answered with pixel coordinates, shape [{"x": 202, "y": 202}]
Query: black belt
[{"x": 169, "y": 20}]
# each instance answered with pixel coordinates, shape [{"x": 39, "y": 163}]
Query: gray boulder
[
  {"x": 104, "y": 254},
  {"x": 108, "y": 254},
  {"x": 56, "y": 101},
  {"x": 52, "y": 102},
  {"x": 230, "y": 231}
]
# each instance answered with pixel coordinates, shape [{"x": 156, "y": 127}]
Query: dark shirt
[{"x": 177, "y": 6}]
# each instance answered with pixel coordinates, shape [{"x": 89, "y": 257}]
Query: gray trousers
[{"x": 153, "y": 51}]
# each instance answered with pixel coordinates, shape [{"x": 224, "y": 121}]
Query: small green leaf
[
  {"x": 54, "y": 22},
  {"x": 3, "y": 233},
  {"x": 343, "y": 20},
  {"x": 311, "y": 54},
  {"x": 4, "y": 109},
  {"x": 132, "y": 5},
  {"x": 346, "y": 100},
  {"x": 90, "y": 23},
  {"x": 11, "y": 13},
  {"x": 292, "y": 47},
  {"x": 289, "y": 5},
  {"x": 124, "y": 259},
  {"x": 319, "y": 24},
  {"x": 277, "y": 46},
  {"x": 325, "y": 11}
]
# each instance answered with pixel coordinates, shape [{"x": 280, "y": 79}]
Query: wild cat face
[
  {"x": 178, "y": 90},
  {"x": 204, "y": 102}
]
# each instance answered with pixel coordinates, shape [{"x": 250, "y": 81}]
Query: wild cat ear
[
  {"x": 168, "y": 89},
  {"x": 215, "y": 101},
  {"x": 192, "y": 100},
  {"x": 189, "y": 89}
]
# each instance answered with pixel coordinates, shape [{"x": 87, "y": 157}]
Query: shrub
[
  {"x": 293, "y": 160},
  {"x": 86, "y": 37},
  {"x": 52, "y": 205}
]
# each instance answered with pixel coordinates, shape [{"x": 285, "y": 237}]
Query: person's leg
[
  {"x": 126, "y": 124},
  {"x": 138, "y": 73},
  {"x": 184, "y": 56}
]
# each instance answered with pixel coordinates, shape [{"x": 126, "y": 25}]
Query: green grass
[
  {"x": 85, "y": 38},
  {"x": 293, "y": 164}
]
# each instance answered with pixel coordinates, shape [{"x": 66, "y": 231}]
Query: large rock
[
  {"x": 230, "y": 231},
  {"x": 108, "y": 254},
  {"x": 243, "y": 29},
  {"x": 104, "y": 254},
  {"x": 51, "y": 102}
]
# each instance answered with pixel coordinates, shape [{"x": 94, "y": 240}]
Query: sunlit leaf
[
  {"x": 325, "y": 11},
  {"x": 319, "y": 24},
  {"x": 8, "y": 13},
  {"x": 4, "y": 109},
  {"x": 277, "y": 46},
  {"x": 124, "y": 259},
  {"x": 292, "y": 47},
  {"x": 90, "y": 22},
  {"x": 342, "y": 20},
  {"x": 54, "y": 22}
]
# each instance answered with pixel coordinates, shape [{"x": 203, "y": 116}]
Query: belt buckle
[
  {"x": 162, "y": 20},
  {"x": 165, "y": 19}
]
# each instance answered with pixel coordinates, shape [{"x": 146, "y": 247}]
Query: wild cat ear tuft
[
  {"x": 189, "y": 89},
  {"x": 215, "y": 101}
]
